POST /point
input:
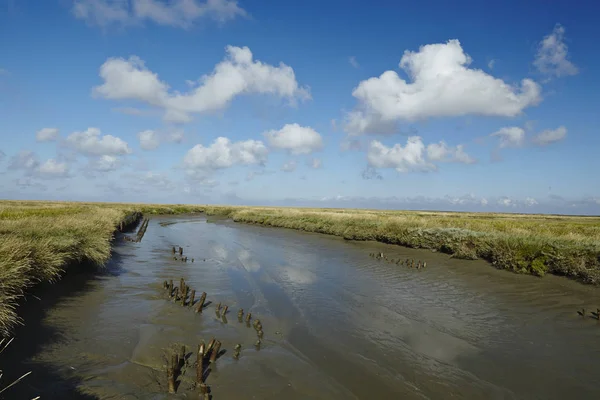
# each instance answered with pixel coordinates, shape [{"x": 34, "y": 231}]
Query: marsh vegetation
[{"x": 39, "y": 240}]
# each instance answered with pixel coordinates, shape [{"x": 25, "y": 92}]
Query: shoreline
[{"x": 39, "y": 241}]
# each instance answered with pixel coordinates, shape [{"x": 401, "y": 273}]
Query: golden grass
[{"x": 38, "y": 240}]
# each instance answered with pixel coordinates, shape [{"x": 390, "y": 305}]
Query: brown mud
[{"x": 337, "y": 323}]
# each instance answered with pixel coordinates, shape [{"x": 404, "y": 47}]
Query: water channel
[{"x": 338, "y": 324}]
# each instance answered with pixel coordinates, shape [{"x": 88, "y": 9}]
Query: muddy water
[{"x": 338, "y": 324}]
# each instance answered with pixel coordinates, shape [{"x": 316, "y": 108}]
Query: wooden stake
[
  {"x": 201, "y": 302},
  {"x": 248, "y": 317},
  {"x": 210, "y": 346},
  {"x": 224, "y": 311},
  {"x": 215, "y": 352},
  {"x": 171, "y": 374},
  {"x": 184, "y": 295},
  {"x": 192, "y": 296},
  {"x": 170, "y": 287},
  {"x": 200, "y": 364}
]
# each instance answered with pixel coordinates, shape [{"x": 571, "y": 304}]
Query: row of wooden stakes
[
  {"x": 205, "y": 355},
  {"x": 140, "y": 232},
  {"x": 409, "y": 262},
  {"x": 180, "y": 294},
  {"x": 208, "y": 352}
]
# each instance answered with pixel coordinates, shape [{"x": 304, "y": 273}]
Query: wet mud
[{"x": 338, "y": 323}]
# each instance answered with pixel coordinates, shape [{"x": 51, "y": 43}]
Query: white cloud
[
  {"x": 53, "y": 169},
  {"x": 295, "y": 138},
  {"x": 148, "y": 140},
  {"x": 105, "y": 163},
  {"x": 442, "y": 86},
  {"x": 353, "y": 62},
  {"x": 550, "y": 136},
  {"x": 238, "y": 74},
  {"x": 176, "y": 136},
  {"x": 530, "y": 201},
  {"x": 92, "y": 143},
  {"x": 506, "y": 202},
  {"x": 442, "y": 152},
  {"x": 178, "y": 13},
  {"x": 46, "y": 134},
  {"x": 491, "y": 64},
  {"x": 289, "y": 166},
  {"x": 315, "y": 163},
  {"x": 223, "y": 153},
  {"x": 24, "y": 159},
  {"x": 411, "y": 157},
  {"x": 510, "y": 136},
  {"x": 551, "y": 58}
]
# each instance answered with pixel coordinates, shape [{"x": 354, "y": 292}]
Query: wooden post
[
  {"x": 171, "y": 374},
  {"x": 180, "y": 250},
  {"x": 248, "y": 317},
  {"x": 200, "y": 364},
  {"x": 215, "y": 351},
  {"x": 192, "y": 296},
  {"x": 184, "y": 295},
  {"x": 170, "y": 287},
  {"x": 176, "y": 294},
  {"x": 210, "y": 346},
  {"x": 201, "y": 302},
  {"x": 224, "y": 311}
]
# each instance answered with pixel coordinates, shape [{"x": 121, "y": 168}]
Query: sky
[{"x": 458, "y": 106}]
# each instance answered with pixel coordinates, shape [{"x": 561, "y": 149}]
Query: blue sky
[{"x": 466, "y": 105}]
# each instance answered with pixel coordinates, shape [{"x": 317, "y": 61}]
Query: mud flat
[{"x": 338, "y": 324}]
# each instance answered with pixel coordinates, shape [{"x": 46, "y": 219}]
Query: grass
[{"x": 39, "y": 240}]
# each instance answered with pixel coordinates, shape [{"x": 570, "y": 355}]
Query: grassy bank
[
  {"x": 38, "y": 240},
  {"x": 533, "y": 244}
]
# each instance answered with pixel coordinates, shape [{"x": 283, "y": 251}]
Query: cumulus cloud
[
  {"x": 53, "y": 169},
  {"x": 148, "y": 140},
  {"x": 289, "y": 166},
  {"x": 444, "y": 153},
  {"x": 442, "y": 85},
  {"x": 25, "y": 160},
  {"x": 409, "y": 158},
  {"x": 223, "y": 153},
  {"x": 295, "y": 138},
  {"x": 28, "y": 162},
  {"x": 177, "y": 13},
  {"x": 105, "y": 163},
  {"x": 510, "y": 136},
  {"x": 91, "y": 142},
  {"x": 551, "y": 58},
  {"x": 46, "y": 134},
  {"x": 550, "y": 136},
  {"x": 237, "y": 75}
]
